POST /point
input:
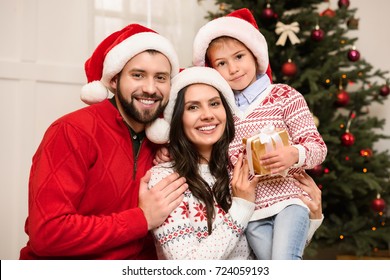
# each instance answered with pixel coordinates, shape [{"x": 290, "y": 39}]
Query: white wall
[
  {"x": 373, "y": 44},
  {"x": 42, "y": 52},
  {"x": 44, "y": 45},
  {"x": 38, "y": 75}
]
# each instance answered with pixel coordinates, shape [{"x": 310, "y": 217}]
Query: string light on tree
[
  {"x": 327, "y": 82},
  {"x": 317, "y": 171},
  {"x": 367, "y": 153},
  {"x": 222, "y": 7},
  {"x": 326, "y": 170}
]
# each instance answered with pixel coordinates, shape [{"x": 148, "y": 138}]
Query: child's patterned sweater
[
  {"x": 184, "y": 234},
  {"x": 285, "y": 108}
]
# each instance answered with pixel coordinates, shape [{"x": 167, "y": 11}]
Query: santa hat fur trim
[
  {"x": 158, "y": 131},
  {"x": 115, "y": 51},
  {"x": 240, "y": 25}
]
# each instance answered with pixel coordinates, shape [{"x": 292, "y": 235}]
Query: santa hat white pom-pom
[
  {"x": 94, "y": 92},
  {"x": 158, "y": 131}
]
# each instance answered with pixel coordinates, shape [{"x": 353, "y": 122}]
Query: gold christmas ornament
[{"x": 316, "y": 120}]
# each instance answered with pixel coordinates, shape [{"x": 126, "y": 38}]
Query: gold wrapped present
[{"x": 260, "y": 143}]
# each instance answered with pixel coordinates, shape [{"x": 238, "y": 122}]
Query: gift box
[{"x": 260, "y": 143}]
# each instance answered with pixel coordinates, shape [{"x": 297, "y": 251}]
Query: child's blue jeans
[{"x": 280, "y": 237}]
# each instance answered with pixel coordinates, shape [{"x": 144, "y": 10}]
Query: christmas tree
[{"x": 311, "y": 49}]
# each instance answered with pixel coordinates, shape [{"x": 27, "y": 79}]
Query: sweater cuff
[
  {"x": 313, "y": 226},
  {"x": 136, "y": 223},
  {"x": 241, "y": 210},
  {"x": 301, "y": 156}
]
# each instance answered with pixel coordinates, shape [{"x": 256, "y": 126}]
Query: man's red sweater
[{"x": 83, "y": 190}]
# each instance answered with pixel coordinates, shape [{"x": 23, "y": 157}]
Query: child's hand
[
  {"x": 242, "y": 187},
  {"x": 281, "y": 159},
  {"x": 162, "y": 155}
]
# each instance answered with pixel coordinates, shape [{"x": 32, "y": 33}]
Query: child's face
[{"x": 234, "y": 61}]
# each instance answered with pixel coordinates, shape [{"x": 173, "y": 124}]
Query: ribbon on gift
[
  {"x": 287, "y": 31},
  {"x": 267, "y": 136},
  {"x": 249, "y": 153}
]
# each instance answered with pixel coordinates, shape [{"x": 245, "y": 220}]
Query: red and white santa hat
[
  {"x": 115, "y": 51},
  {"x": 158, "y": 131},
  {"x": 239, "y": 24}
]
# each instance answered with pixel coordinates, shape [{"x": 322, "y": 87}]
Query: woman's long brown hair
[{"x": 186, "y": 160}]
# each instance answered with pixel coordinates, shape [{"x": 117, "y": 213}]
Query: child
[
  {"x": 234, "y": 46},
  {"x": 210, "y": 222}
]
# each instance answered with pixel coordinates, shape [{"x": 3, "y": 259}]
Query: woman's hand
[
  {"x": 242, "y": 187},
  {"x": 162, "y": 155},
  {"x": 307, "y": 184}
]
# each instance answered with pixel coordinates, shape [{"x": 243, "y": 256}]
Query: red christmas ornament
[
  {"x": 353, "y": 55},
  {"x": 378, "y": 204},
  {"x": 342, "y": 98},
  {"x": 384, "y": 91},
  {"x": 317, "y": 171},
  {"x": 328, "y": 13},
  {"x": 343, "y": 3},
  {"x": 347, "y": 139},
  {"x": 268, "y": 13},
  {"x": 289, "y": 68},
  {"x": 317, "y": 34}
]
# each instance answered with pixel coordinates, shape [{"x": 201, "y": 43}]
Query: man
[{"x": 88, "y": 196}]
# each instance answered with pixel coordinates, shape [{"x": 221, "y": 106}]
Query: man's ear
[{"x": 114, "y": 82}]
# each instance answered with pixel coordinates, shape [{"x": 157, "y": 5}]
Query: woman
[{"x": 210, "y": 222}]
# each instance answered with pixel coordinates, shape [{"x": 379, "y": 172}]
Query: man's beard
[{"x": 144, "y": 116}]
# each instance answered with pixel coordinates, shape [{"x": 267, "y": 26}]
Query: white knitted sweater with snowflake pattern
[{"x": 184, "y": 234}]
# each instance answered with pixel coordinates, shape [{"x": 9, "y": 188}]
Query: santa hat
[
  {"x": 239, "y": 24},
  {"x": 158, "y": 131},
  {"x": 115, "y": 51}
]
